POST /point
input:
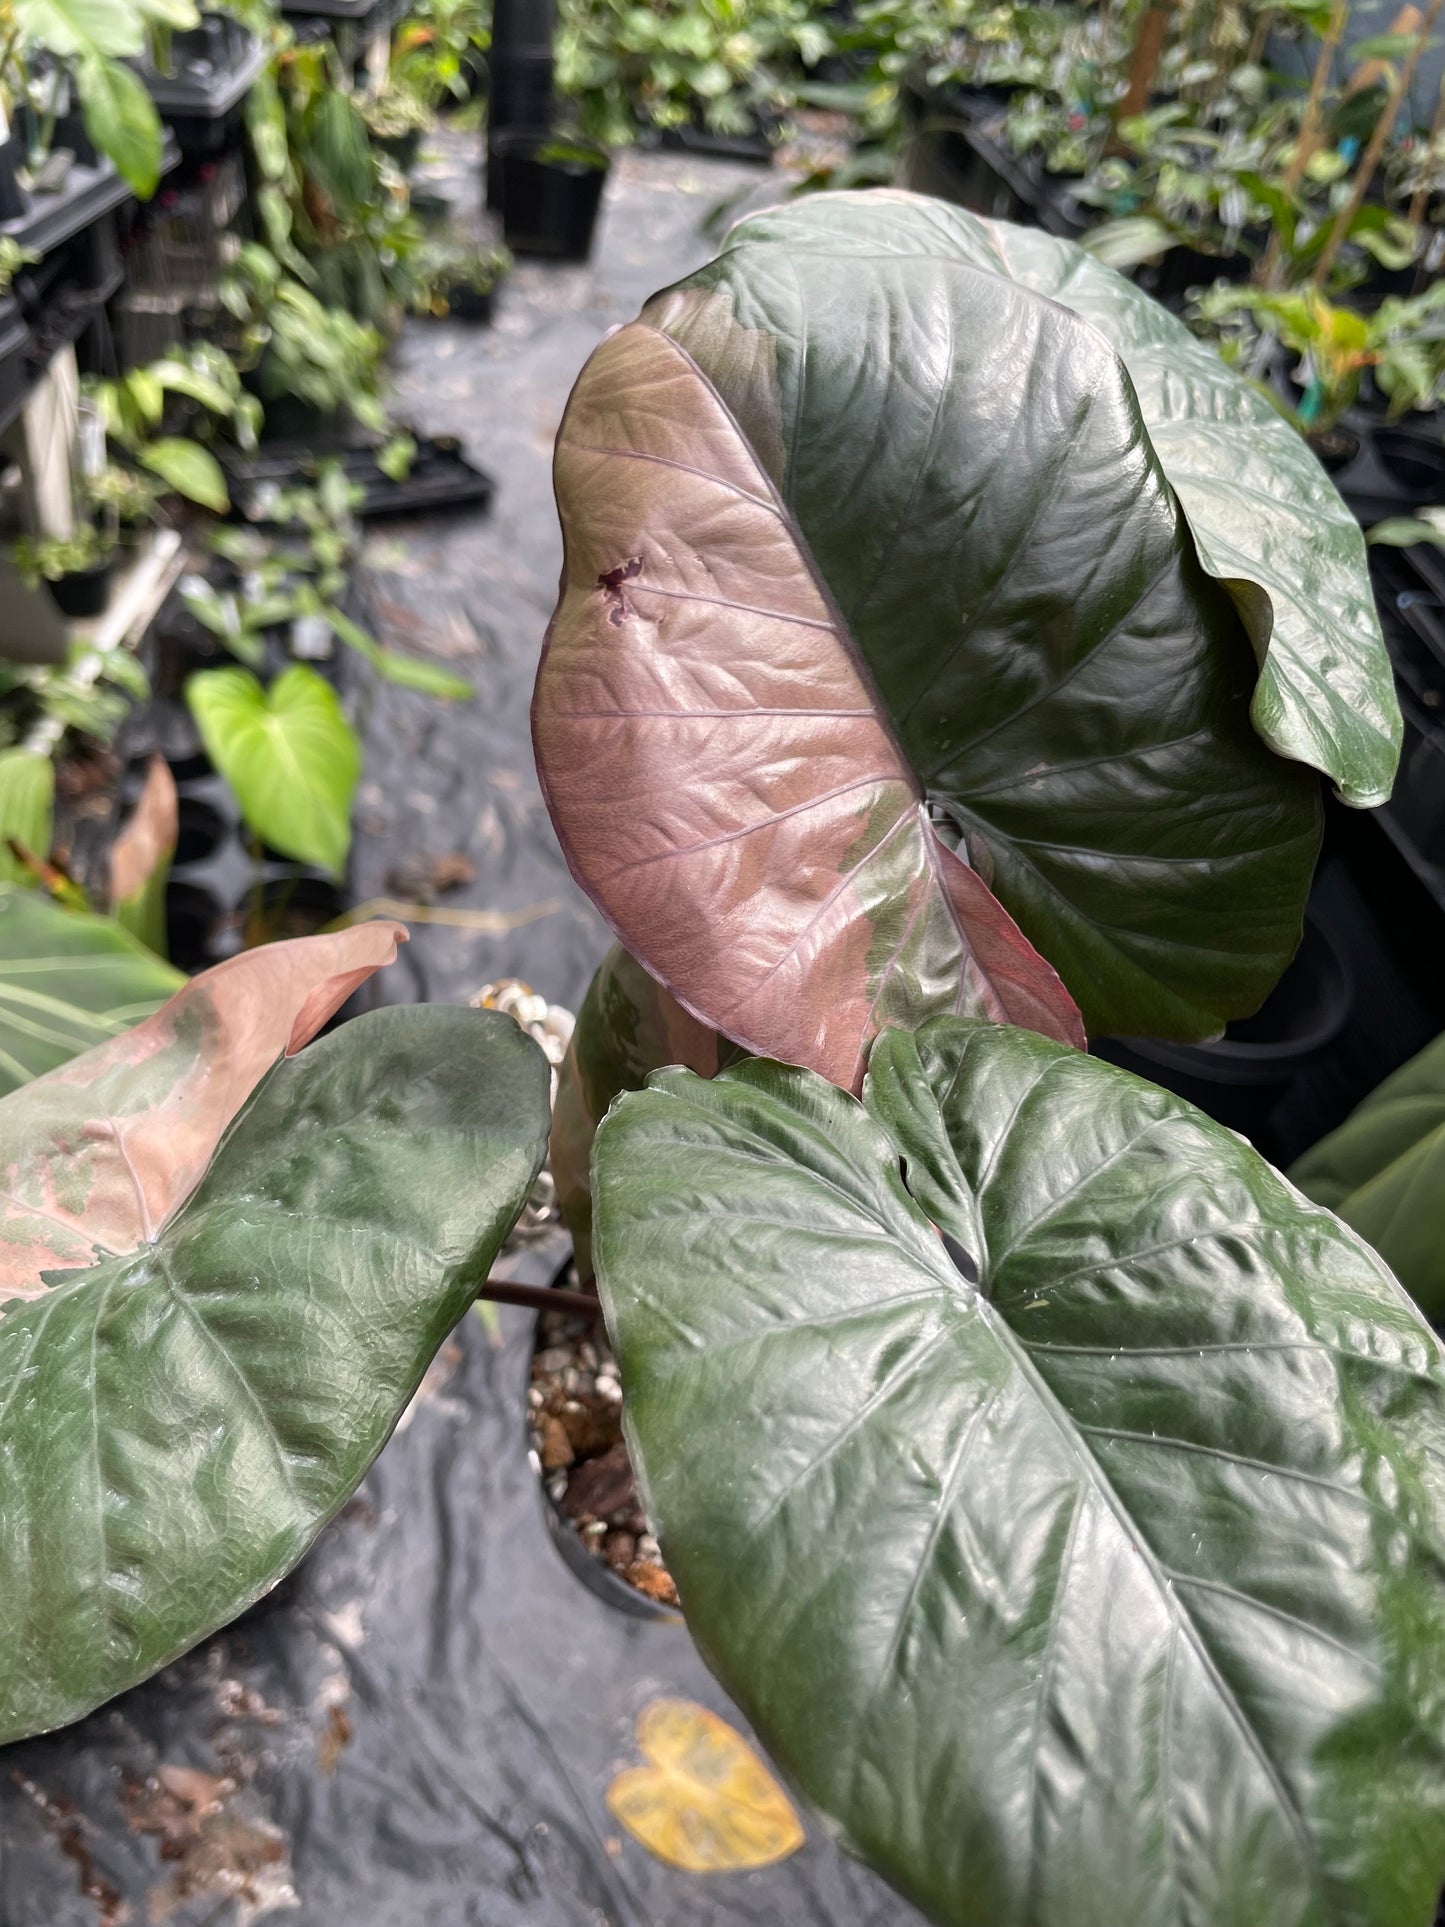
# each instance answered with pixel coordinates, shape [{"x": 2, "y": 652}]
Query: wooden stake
[
  {"x": 1309, "y": 132},
  {"x": 1370, "y": 159},
  {"x": 1143, "y": 65}
]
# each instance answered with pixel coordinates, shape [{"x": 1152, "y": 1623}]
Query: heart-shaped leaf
[
  {"x": 289, "y": 754},
  {"x": 68, "y": 981},
  {"x": 723, "y": 780},
  {"x": 121, "y": 119},
  {"x": 96, "y": 1156},
  {"x": 1383, "y": 1171},
  {"x": 1082, "y": 1563},
  {"x": 1012, "y": 520},
  {"x": 704, "y": 1801},
  {"x": 177, "y": 1424}
]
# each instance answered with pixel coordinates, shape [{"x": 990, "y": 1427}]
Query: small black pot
[
  {"x": 403, "y": 148},
  {"x": 1241, "y": 1077},
  {"x": 466, "y": 303},
  {"x": 14, "y": 201},
  {"x": 1335, "y": 448},
  {"x": 82, "y": 593},
  {"x": 1413, "y": 457},
  {"x": 549, "y": 206}
]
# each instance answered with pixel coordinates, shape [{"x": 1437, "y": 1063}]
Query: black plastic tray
[
  {"x": 441, "y": 477},
  {"x": 14, "y": 372},
  {"x": 213, "y": 68}
]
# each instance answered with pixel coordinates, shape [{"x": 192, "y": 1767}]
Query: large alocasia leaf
[
  {"x": 1012, "y": 520},
  {"x": 99, "y": 1153},
  {"x": 1083, "y": 1563},
  {"x": 720, "y": 772},
  {"x": 1383, "y": 1171},
  {"x": 177, "y": 1424},
  {"x": 68, "y": 980}
]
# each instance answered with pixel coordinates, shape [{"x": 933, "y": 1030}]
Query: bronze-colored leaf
[
  {"x": 97, "y": 1155},
  {"x": 723, "y": 777},
  {"x": 140, "y": 858}
]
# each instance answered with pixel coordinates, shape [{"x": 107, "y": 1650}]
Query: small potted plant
[
  {"x": 460, "y": 278},
  {"x": 76, "y": 568},
  {"x": 549, "y": 189}
]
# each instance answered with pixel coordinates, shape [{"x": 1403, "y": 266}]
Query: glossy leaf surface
[
  {"x": 98, "y": 1154},
  {"x": 1383, "y": 1171},
  {"x": 178, "y": 1423},
  {"x": 1082, "y": 1564},
  {"x": 289, "y": 754},
  {"x": 1004, "y": 520},
  {"x": 1266, "y": 520},
  {"x": 68, "y": 981},
  {"x": 722, "y": 778}
]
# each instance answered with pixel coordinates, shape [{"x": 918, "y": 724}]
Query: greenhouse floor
[{"x": 420, "y": 1724}]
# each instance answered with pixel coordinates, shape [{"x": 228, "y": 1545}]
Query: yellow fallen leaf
[{"x": 704, "y": 1802}]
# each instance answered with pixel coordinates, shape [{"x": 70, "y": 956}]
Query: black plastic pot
[
  {"x": 14, "y": 373},
  {"x": 549, "y": 195},
  {"x": 82, "y": 593},
  {"x": 1414, "y": 458},
  {"x": 14, "y": 201},
  {"x": 1335, "y": 448},
  {"x": 403, "y": 148},
  {"x": 466, "y": 303},
  {"x": 1241, "y": 1078}
]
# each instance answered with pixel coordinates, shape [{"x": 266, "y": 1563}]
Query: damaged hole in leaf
[
  {"x": 963, "y": 1262},
  {"x": 610, "y": 583}
]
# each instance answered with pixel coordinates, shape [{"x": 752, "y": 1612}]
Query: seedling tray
[
  {"x": 212, "y": 67},
  {"x": 441, "y": 477}
]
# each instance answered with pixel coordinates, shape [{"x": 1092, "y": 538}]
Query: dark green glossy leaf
[
  {"x": 180, "y": 1421},
  {"x": 68, "y": 981},
  {"x": 1022, "y": 531},
  {"x": 1084, "y": 1565},
  {"x": 1265, "y": 518},
  {"x": 1383, "y": 1171}
]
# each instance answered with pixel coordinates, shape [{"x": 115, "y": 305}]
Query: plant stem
[
  {"x": 581, "y": 1304},
  {"x": 1309, "y": 135},
  {"x": 1370, "y": 159},
  {"x": 1144, "y": 61}
]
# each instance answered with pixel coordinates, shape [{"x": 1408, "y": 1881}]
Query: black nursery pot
[
  {"x": 1241, "y": 1077},
  {"x": 548, "y": 205},
  {"x": 82, "y": 593},
  {"x": 1414, "y": 458}
]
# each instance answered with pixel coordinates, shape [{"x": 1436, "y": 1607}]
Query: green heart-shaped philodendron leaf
[
  {"x": 288, "y": 753},
  {"x": 177, "y": 1423},
  {"x": 68, "y": 981},
  {"x": 1020, "y": 478},
  {"x": 1383, "y": 1171},
  {"x": 1083, "y": 1563},
  {"x": 722, "y": 777}
]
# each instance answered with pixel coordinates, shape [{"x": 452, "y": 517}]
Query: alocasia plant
[
  {"x": 1056, "y": 1489},
  {"x": 224, "y": 1268}
]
